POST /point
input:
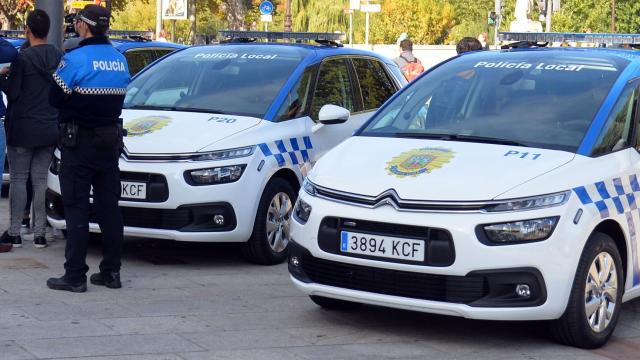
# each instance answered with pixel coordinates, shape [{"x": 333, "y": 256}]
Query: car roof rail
[
  {"x": 325, "y": 39},
  {"x": 137, "y": 35},
  {"x": 602, "y": 39},
  {"x": 524, "y": 45},
  {"x": 12, "y": 33}
]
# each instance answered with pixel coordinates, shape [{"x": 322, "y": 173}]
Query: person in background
[
  {"x": 162, "y": 37},
  {"x": 31, "y": 125},
  {"x": 468, "y": 44},
  {"x": 483, "y": 37},
  {"x": 8, "y": 53},
  {"x": 410, "y": 66}
]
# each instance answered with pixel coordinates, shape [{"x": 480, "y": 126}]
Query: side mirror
[{"x": 332, "y": 114}]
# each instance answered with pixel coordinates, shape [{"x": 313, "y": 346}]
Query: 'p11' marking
[{"x": 522, "y": 155}]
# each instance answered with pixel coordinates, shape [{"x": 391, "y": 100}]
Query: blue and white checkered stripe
[
  {"x": 611, "y": 196},
  {"x": 617, "y": 196},
  {"x": 293, "y": 150}
]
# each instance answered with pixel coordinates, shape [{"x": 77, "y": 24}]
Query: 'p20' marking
[{"x": 522, "y": 155}]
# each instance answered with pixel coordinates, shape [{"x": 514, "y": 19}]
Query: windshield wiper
[
  {"x": 148, "y": 107},
  {"x": 175, "y": 108},
  {"x": 460, "y": 137},
  {"x": 188, "y": 109}
]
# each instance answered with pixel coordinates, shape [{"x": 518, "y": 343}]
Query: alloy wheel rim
[
  {"x": 601, "y": 292},
  {"x": 278, "y": 219}
]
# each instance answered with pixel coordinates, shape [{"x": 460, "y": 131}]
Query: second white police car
[
  {"x": 220, "y": 137},
  {"x": 500, "y": 185}
]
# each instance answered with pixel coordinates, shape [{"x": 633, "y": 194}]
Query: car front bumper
[
  {"x": 469, "y": 285},
  {"x": 174, "y": 209}
]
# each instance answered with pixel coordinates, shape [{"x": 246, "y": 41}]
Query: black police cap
[{"x": 95, "y": 15}]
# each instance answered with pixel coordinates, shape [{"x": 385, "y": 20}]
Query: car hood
[
  {"x": 432, "y": 170},
  {"x": 175, "y": 132}
]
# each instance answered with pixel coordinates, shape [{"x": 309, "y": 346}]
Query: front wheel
[
  {"x": 594, "y": 305},
  {"x": 270, "y": 237}
]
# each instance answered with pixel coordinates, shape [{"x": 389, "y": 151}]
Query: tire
[
  {"x": 261, "y": 249},
  {"x": 334, "y": 304},
  {"x": 574, "y": 327}
]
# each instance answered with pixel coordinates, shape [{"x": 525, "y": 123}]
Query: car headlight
[
  {"x": 531, "y": 203},
  {"x": 216, "y": 175},
  {"x": 520, "y": 231},
  {"x": 302, "y": 211},
  {"x": 55, "y": 166},
  {"x": 308, "y": 187},
  {"x": 225, "y": 154}
]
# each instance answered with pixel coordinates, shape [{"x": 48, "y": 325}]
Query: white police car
[
  {"x": 220, "y": 137},
  {"x": 500, "y": 185}
]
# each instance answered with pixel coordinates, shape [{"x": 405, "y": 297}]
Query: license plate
[
  {"x": 133, "y": 190},
  {"x": 382, "y": 246}
]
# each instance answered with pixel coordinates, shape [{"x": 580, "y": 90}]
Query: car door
[
  {"x": 334, "y": 81},
  {"x": 613, "y": 153},
  {"x": 337, "y": 84}
]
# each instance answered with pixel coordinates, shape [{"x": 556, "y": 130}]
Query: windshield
[
  {"x": 224, "y": 79},
  {"x": 535, "y": 98}
]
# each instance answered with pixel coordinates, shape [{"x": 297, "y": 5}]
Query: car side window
[
  {"x": 616, "y": 133},
  {"x": 137, "y": 60},
  {"x": 296, "y": 103},
  {"x": 375, "y": 85},
  {"x": 333, "y": 87},
  {"x": 158, "y": 53}
]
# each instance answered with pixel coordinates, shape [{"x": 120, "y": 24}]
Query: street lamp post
[
  {"x": 55, "y": 9},
  {"x": 158, "y": 18}
]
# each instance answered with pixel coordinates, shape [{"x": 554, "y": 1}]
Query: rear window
[
  {"x": 536, "y": 98},
  {"x": 223, "y": 79}
]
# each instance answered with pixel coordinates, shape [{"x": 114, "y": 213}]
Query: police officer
[{"x": 89, "y": 90}]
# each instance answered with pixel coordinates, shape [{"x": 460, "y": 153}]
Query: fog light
[
  {"x": 523, "y": 290},
  {"x": 301, "y": 211},
  {"x": 294, "y": 261},
  {"x": 218, "y": 220}
]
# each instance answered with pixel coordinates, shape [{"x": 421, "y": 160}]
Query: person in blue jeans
[
  {"x": 31, "y": 125},
  {"x": 8, "y": 53}
]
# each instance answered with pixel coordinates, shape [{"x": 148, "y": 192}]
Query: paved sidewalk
[{"x": 202, "y": 301}]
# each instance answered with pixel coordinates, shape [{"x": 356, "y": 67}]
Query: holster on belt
[
  {"x": 68, "y": 135},
  {"x": 104, "y": 137}
]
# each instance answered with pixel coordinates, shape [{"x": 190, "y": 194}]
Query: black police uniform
[{"x": 90, "y": 85}]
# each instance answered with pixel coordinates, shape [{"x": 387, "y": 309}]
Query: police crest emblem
[
  {"x": 146, "y": 125},
  {"x": 419, "y": 161}
]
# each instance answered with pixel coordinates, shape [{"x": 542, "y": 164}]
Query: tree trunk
[
  {"x": 5, "y": 22},
  {"x": 235, "y": 14}
]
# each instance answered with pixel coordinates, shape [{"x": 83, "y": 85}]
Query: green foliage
[
  {"x": 426, "y": 21},
  {"x": 628, "y": 16},
  {"x": 141, "y": 15},
  {"x": 583, "y": 15},
  {"x": 470, "y": 18},
  {"x": 320, "y": 16}
]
